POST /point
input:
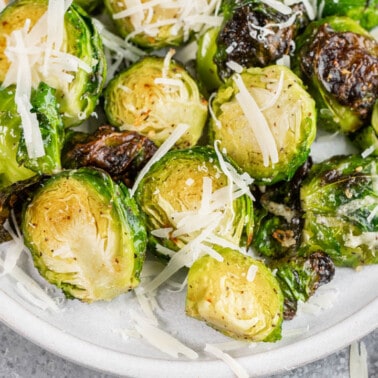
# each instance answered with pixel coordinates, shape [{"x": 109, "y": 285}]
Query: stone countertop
[{"x": 19, "y": 358}]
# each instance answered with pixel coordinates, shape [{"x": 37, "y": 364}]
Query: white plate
[{"x": 91, "y": 334}]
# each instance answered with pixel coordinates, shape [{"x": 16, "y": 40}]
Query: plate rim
[{"x": 106, "y": 360}]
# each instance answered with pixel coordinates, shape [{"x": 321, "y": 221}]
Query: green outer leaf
[
  {"x": 10, "y": 133},
  {"x": 365, "y": 12},
  {"x": 52, "y": 131},
  {"x": 83, "y": 41},
  {"x": 207, "y": 70}
]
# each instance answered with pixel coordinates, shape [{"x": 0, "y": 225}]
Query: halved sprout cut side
[{"x": 238, "y": 296}]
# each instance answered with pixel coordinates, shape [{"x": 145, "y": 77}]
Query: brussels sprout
[
  {"x": 253, "y": 34},
  {"x": 338, "y": 60},
  {"x": 15, "y": 163},
  {"x": 340, "y": 201},
  {"x": 120, "y": 153},
  {"x": 300, "y": 277},
  {"x": 266, "y": 122},
  {"x": 238, "y": 296},
  {"x": 85, "y": 235},
  {"x": 152, "y": 97},
  {"x": 186, "y": 194},
  {"x": 77, "y": 98},
  {"x": 158, "y": 25},
  {"x": 278, "y": 217},
  {"x": 363, "y": 11}
]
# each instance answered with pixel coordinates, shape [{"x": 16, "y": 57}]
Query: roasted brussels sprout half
[
  {"x": 340, "y": 201},
  {"x": 238, "y": 296},
  {"x": 78, "y": 88},
  {"x": 363, "y": 11},
  {"x": 299, "y": 278},
  {"x": 186, "y": 195},
  {"x": 158, "y": 25},
  {"x": 253, "y": 34},
  {"x": 266, "y": 121},
  {"x": 338, "y": 60},
  {"x": 15, "y": 163},
  {"x": 85, "y": 235},
  {"x": 152, "y": 97},
  {"x": 120, "y": 153}
]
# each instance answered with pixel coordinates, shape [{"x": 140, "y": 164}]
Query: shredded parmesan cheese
[
  {"x": 368, "y": 151},
  {"x": 358, "y": 361},
  {"x": 3, "y": 4},
  {"x": 234, "y": 365},
  {"x": 217, "y": 122},
  {"x": 251, "y": 274},
  {"x": 257, "y": 122},
  {"x": 35, "y": 294},
  {"x": 161, "y": 339},
  {"x": 181, "y": 18},
  {"x": 163, "y": 149},
  {"x": 374, "y": 33},
  {"x": 278, "y": 6},
  {"x": 234, "y": 66},
  {"x": 241, "y": 181}
]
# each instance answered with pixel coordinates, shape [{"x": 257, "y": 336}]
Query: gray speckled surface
[{"x": 20, "y": 358}]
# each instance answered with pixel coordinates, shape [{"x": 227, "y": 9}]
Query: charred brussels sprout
[
  {"x": 339, "y": 60},
  {"x": 253, "y": 34},
  {"x": 238, "y": 296},
  {"x": 85, "y": 235},
  {"x": 363, "y": 11},
  {"x": 340, "y": 201},
  {"x": 266, "y": 122},
  {"x": 300, "y": 277},
  {"x": 120, "y": 153},
  {"x": 152, "y": 97},
  {"x": 186, "y": 195},
  {"x": 158, "y": 25},
  {"x": 78, "y": 88},
  {"x": 15, "y": 163}
]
